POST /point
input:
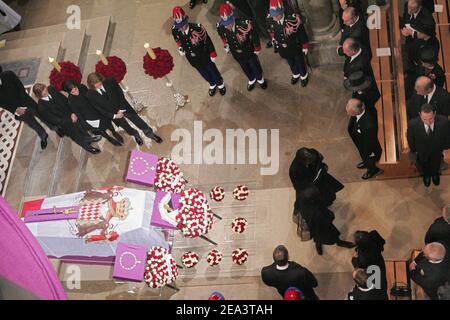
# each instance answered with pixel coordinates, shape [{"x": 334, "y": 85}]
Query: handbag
[
  {"x": 401, "y": 289},
  {"x": 303, "y": 229}
]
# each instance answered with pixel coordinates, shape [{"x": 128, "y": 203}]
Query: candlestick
[
  {"x": 150, "y": 51},
  {"x": 102, "y": 57},
  {"x": 54, "y": 63}
]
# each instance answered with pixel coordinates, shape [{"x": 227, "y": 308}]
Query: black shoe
[
  {"x": 139, "y": 140},
  {"x": 263, "y": 85},
  {"x": 223, "y": 91},
  {"x": 294, "y": 80},
  {"x": 319, "y": 249},
  {"x": 44, "y": 142},
  {"x": 118, "y": 137},
  {"x": 212, "y": 92},
  {"x": 304, "y": 82},
  {"x": 113, "y": 141},
  {"x": 369, "y": 175},
  {"x": 275, "y": 50},
  {"x": 250, "y": 87},
  {"x": 205, "y": 1},
  {"x": 192, "y": 4},
  {"x": 92, "y": 150},
  {"x": 156, "y": 138},
  {"x": 427, "y": 181},
  {"x": 269, "y": 44},
  {"x": 345, "y": 244},
  {"x": 361, "y": 165},
  {"x": 94, "y": 139},
  {"x": 436, "y": 180}
]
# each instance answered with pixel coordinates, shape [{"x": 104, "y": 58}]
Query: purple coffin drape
[{"x": 22, "y": 260}]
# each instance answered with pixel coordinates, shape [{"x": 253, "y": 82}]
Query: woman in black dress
[
  {"x": 90, "y": 118},
  {"x": 319, "y": 220}
]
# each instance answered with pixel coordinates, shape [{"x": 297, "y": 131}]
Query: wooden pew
[{"x": 397, "y": 272}]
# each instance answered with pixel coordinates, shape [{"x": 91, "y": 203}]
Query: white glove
[
  {"x": 213, "y": 59},
  {"x": 181, "y": 51},
  {"x": 305, "y": 51},
  {"x": 227, "y": 48}
]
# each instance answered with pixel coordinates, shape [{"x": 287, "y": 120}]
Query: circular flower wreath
[
  {"x": 159, "y": 67},
  {"x": 195, "y": 217},
  {"x": 169, "y": 177},
  {"x": 190, "y": 259},
  {"x": 239, "y": 225},
  {"x": 161, "y": 268},
  {"x": 217, "y": 194},
  {"x": 239, "y": 256},
  {"x": 116, "y": 68},
  {"x": 214, "y": 257},
  {"x": 241, "y": 193},
  {"x": 69, "y": 71}
]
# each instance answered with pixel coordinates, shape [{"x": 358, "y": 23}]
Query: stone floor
[{"x": 313, "y": 117}]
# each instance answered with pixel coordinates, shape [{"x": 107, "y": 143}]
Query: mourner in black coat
[
  {"x": 357, "y": 59},
  {"x": 365, "y": 291},
  {"x": 54, "y": 110},
  {"x": 428, "y": 137},
  {"x": 194, "y": 42},
  {"x": 426, "y": 92},
  {"x": 241, "y": 39},
  {"x": 428, "y": 67},
  {"x": 364, "y": 88},
  {"x": 431, "y": 269},
  {"x": 439, "y": 231},
  {"x": 15, "y": 99},
  {"x": 283, "y": 274},
  {"x": 368, "y": 252},
  {"x": 88, "y": 115},
  {"x": 308, "y": 169},
  {"x": 363, "y": 129},
  {"x": 359, "y": 5},
  {"x": 319, "y": 220},
  {"x": 290, "y": 39},
  {"x": 108, "y": 99},
  {"x": 355, "y": 26}
]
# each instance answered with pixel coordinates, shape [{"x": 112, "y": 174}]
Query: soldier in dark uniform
[
  {"x": 194, "y": 42},
  {"x": 289, "y": 37},
  {"x": 241, "y": 39}
]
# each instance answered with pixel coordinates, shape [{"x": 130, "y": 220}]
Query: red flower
[
  {"x": 69, "y": 71},
  {"x": 161, "y": 66},
  {"x": 116, "y": 68}
]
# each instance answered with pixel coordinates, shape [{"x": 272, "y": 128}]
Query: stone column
[{"x": 321, "y": 16}]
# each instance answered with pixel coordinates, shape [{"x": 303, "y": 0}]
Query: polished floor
[{"x": 314, "y": 117}]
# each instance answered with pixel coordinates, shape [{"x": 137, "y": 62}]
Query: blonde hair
[
  {"x": 93, "y": 79},
  {"x": 38, "y": 89}
]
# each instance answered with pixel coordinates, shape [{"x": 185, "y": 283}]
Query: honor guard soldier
[
  {"x": 241, "y": 39},
  {"x": 289, "y": 38},
  {"x": 194, "y": 42}
]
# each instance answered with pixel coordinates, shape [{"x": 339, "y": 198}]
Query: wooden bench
[
  {"x": 397, "y": 272},
  {"x": 417, "y": 291},
  {"x": 382, "y": 67}
]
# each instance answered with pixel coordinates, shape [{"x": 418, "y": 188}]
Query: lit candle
[
  {"x": 2, "y": 43},
  {"x": 55, "y": 64},
  {"x": 102, "y": 57},
  {"x": 150, "y": 51}
]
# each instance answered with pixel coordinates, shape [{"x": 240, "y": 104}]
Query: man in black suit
[
  {"x": 363, "y": 130},
  {"x": 364, "y": 88},
  {"x": 355, "y": 27},
  {"x": 431, "y": 269},
  {"x": 364, "y": 290},
  {"x": 360, "y": 7},
  {"x": 54, "y": 110},
  {"x": 426, "y": 92},
  {"x": 283, "y": 274},
  {"x": 428, "y": 137},
  {"x": 290, "y": 39},
  {"x": 415, "y": 18},
  {"x": 194, "y": 42},
  {"x": 439, "y": 231},
  {"x": 428, "y": 67},
  {"x": 15, "y": 99},
  {"x": 108, "y": 98},
  {"x": 424, "y": 39},
  {"x": 357, "y": 59},
  {"x": 241, "y": 39}
]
